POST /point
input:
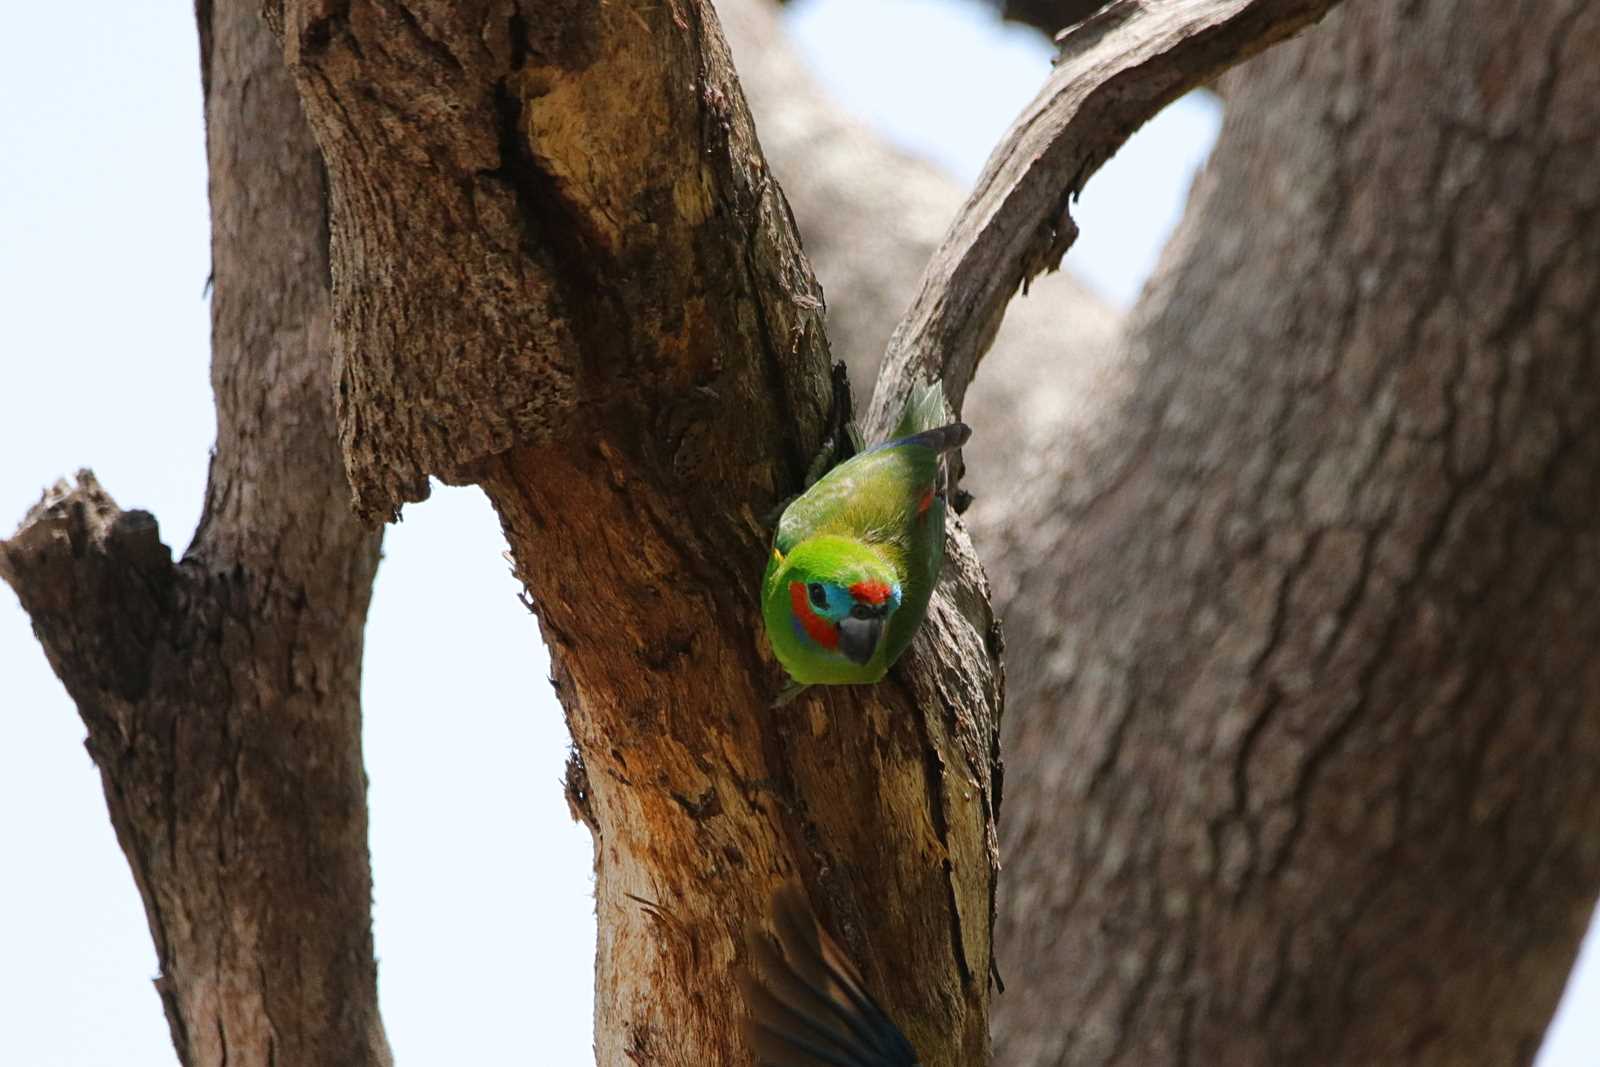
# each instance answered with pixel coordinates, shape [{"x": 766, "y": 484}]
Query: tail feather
[
  {"x": 928, "y": 421},
  {"x": 941, "y": 439},
  {"x": 814, "y": 1010},
  {"x": 925, "y": 410}
]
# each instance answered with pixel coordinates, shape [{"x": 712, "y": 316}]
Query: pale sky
[{"x": 483, "y": 912}]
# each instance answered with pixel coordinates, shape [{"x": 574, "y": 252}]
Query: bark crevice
[{"x": 1354, "y": 551}]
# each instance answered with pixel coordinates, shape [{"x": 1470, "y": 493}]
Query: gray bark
[
  {"x": 1305, "y": 716},
  {"x": 220, "y": 692}
]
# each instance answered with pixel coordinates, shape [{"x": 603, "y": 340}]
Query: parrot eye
[{"x": 819, "y": 595}]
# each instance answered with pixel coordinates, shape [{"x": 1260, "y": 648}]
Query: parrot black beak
[{"x": 859, "y": 633}]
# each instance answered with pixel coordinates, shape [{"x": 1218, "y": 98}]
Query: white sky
[{"x": 484, "y": 923}]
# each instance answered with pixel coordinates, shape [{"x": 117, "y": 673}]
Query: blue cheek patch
[
  {"x": 839, "y": 603},
  {"x": 804, "y": 635}
]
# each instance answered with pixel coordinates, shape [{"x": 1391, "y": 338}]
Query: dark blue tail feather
[{"x": 941, "y": 439}]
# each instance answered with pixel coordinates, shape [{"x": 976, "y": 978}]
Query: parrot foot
[{"x": 788, "y": 694}]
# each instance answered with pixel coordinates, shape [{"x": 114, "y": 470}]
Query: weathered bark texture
[
  {"x": 1304, "y": 740},
  {"x": 594, "y": 167},
  {"x": 599, "y": 170},
  {"x": 221, "y": 692}
]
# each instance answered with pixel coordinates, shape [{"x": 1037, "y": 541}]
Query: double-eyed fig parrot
[
  {"x": 808, "y": 1005},
  {"x": 856, "y": 556}
]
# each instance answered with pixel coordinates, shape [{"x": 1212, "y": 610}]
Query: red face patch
[
  {"x": 925, "y": 503},
  {"x": 873, "y": 593},
  {"x": 818, "y": 629}
]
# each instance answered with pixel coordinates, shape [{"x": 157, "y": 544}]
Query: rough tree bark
[
  {"x": 221, "y": 692},
  {"x": 1304, "y": 724},
  {"x": 562, "y": 271}
]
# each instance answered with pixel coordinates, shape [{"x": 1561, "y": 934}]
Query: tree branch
[
  {"x": 562, "y": 270},
  {"x": 221, "y": 693},
  {"x": 1116, "y": 71}
]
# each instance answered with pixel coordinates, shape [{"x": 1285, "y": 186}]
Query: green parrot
[{"x": 856, "y": 556}]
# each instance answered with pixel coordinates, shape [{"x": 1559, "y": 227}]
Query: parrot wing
[
  {"x": 814, "y": 1010},
  {"x": 876, "y": 495}
]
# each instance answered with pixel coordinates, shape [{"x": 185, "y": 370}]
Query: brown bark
[
  {"x": 221, "y": 692},
  {"x": 1305, "y": 713},
  {"x": 1297, "y": 771},
  {"x": 599, "y": 172},
  {"x": 605, "y": 235}
]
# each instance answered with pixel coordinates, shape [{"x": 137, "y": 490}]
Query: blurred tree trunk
[
  {"x": 222, "y": 693},
  {"x": 1303, "y": 737}
]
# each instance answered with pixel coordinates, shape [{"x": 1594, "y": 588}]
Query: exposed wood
[
  {"x": 1116, "y": 71},
  {"x": 221, "y": 692},
  {"x": 1304, "y": 740},
  {"x": 570, "y": 200}
]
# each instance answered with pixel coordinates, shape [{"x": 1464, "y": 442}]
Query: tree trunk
[
  {"x": 562, "y": 271},
  {"x": 221, "y": 693},
  {"x": 1305, "y": 717}
]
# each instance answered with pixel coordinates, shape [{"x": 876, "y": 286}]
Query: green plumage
[{"x": 856, "y": 557}]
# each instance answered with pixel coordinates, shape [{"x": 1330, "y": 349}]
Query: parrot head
[{"x": 833, "y": 596}]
